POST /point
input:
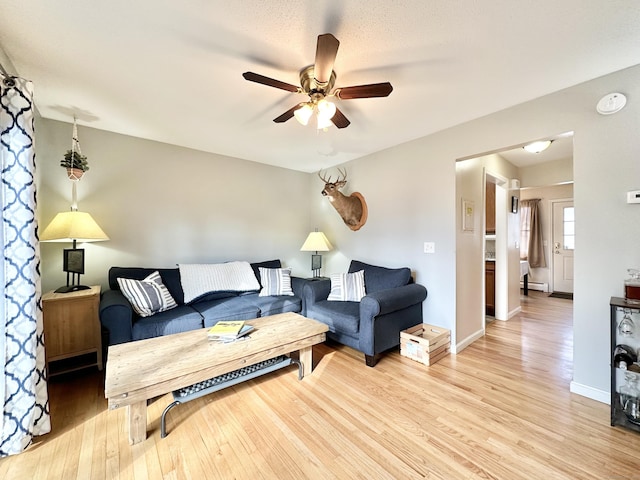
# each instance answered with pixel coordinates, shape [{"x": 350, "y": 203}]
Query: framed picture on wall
[
  {"x": 468, "y": 215},
  {"x": 514, "y": 204}
]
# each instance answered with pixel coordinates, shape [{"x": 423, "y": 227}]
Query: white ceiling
[{"x": 172, "y": 71}]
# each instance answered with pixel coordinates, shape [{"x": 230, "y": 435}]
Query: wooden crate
[{"x": 425, "y": 343}]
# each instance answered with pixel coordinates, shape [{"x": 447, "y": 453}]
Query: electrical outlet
[{"x": 429, "y": 247}]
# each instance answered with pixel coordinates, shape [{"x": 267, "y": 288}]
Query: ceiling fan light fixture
[
  {"x": 317, "y": 81},
  {"x": 537, "y": 147},
  {"x": 323, "y": 122},
  {"x": 303, "y": 114},
  {"x": 326, "y": 109}
]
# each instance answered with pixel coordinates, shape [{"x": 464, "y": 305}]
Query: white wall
[
  {"x": 548, "y": 173},
  {"x": 411, "y": 194},
  {"x": 470, "y": 265},
  {"x": 162, "y": 216},
  {"x": 161, "y": 205}
]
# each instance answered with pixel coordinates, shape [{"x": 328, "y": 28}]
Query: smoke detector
[{"x": 611, "y": 103}]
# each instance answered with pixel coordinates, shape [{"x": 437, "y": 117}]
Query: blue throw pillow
[{"x": 381, "y": 278}]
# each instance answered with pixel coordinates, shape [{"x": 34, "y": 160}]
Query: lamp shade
[
  {"x": 73, "y": 225},
  {"x": 316, "y": 242}
]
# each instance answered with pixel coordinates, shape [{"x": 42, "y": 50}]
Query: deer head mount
[{"x": 352, "y": 209}]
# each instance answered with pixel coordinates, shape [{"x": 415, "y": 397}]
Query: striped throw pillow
[
  {"x": 147, "y": 296},
  {"x": 347, "y": 287},
  {"x": 275, "y": 281}
]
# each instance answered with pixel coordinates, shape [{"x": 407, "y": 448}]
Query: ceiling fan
[{"x": 317, "y": 82}]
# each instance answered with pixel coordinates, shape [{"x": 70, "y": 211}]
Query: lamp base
[
  {"x": 316, "y": 264},
  {"x": 71, "y": 288}
]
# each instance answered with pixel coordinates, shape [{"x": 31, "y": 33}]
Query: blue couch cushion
[
  {"x": 170, "y": 278},
  {"x": 381, "y": 278},
  {"x": 180, "y": 319},
  {"x": 274, "y": 304},
  {"x": 339, "y": 316},
  {"x": 207, "y": 297},
  {"x": 230, "y": 308}
]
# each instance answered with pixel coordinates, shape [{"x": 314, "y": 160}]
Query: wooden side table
[{"x": 72, "y": 332}]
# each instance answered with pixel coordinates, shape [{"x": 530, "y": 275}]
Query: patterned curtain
[{"x": 23, "y": 390}]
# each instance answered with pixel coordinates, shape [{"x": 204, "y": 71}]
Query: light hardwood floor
[{"x": 500, "y": 409}]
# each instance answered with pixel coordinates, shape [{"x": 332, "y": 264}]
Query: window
[{"x": 568, "y": 229}]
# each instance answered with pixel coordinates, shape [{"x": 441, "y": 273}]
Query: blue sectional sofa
[
  {"x": 393, "y": 302},
  {"x": 122, "y": 324}
]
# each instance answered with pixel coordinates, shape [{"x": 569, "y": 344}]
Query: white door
[{"x": 563, "y": 245}]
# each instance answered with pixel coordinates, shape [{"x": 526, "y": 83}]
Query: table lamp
[
  {"x": 73, "y": 227},
  {"x": 316, "y": 242}
]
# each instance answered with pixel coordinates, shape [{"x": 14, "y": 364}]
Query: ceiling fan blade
[
  {"x": 288, "y": 114},
  {"x": 364, "y": 91},
  {"x": 326, "y": 52},
  {"x": 339, "y": 120},
  {"x": 270, "y": 82}
]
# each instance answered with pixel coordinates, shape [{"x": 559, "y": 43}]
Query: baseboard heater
[{"x": 539, "y": 286}]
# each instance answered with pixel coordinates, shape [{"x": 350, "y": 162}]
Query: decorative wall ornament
[{"x": 352, "y": 209}]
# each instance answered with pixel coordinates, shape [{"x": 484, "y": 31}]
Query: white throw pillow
[
  {"x": 275, "y": 281},
  {"x": 347, "y": 287},
  {"x": 198, "y": 279},
  {"x": 147, "y": 296}
]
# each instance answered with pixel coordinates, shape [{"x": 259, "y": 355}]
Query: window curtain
[
  {"x": 23, "y": 390},
  {"x": 531, "y": 247}
]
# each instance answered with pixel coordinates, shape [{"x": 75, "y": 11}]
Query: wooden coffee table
[{"x": 144, "y": 369}]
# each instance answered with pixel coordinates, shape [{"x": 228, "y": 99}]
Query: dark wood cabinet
[
  {"x": 490, "y": 210},
  {"x": 72, "y": 332},
  {"x": 490, "y": 288}
]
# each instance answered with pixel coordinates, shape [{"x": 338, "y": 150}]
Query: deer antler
[
  {"x": 344, "y": 176},
  {"x": 322, "y": 178}
]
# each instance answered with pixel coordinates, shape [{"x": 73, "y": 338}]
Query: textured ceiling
[{"x": 172, "y": 71}]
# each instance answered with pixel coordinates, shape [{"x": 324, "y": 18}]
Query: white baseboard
[
  {"x": 515, "y": 312},
  {"x": 468, "y": 341},
  {"x": 540, "y": 287},
  {"x": 590, "y": 392}
]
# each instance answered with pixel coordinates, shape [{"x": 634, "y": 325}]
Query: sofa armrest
[
  {"x": 315, "y": 291},
  {"x": 391, "y": 300},
  {"x": 385, "y": 313},
  {"x": 297, "y": 285},
  {"x": 116, "y": 316}
]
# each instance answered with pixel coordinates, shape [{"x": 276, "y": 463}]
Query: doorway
[
  {"x": 563, "y": 241},
  {"x": 516, "y": 167}
]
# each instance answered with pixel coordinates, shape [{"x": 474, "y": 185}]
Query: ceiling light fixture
[
  {"x": 537, "y": 147},
  {"x": 303, "y": 114},
  {"x": 324, "y": 110}
]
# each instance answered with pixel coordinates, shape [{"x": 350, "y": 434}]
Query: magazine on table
[{"x": 229, "y": 331}]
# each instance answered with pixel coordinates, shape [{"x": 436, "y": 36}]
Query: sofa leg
[{"x": 371, "y": 360}]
